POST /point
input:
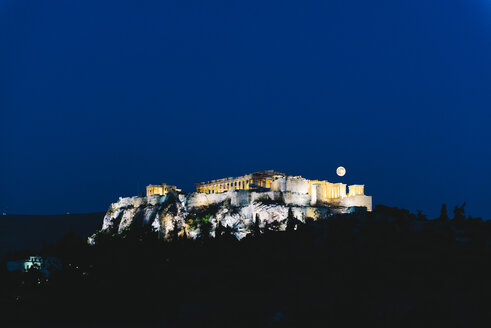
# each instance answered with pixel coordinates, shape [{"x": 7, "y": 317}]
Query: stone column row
[{"x": 242, "y": 184}]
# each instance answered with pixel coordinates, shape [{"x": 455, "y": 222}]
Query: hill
[{"x": 386, "y": 268}]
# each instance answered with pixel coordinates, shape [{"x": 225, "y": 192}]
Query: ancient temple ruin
[
  {"x": 252, "y": 181},
  {"x": 278, "y": 185},
  {"x": 320, "y": 190},
  {"x": 161, "y": 189}
]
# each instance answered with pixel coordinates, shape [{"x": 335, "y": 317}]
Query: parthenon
[{"x": 250, "y": 181}]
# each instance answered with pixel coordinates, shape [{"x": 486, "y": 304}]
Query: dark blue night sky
[{"x": 100, "y": 98}]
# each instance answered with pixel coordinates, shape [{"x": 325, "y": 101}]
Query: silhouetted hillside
[
  {"x": 32, "y": 231},
  {"x": 387, "y": 268}
]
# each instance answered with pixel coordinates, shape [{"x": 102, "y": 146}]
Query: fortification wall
[
  {"x": 358, "y": 200},
  {"x": 297, "y": 199},
  {"x": 197, "y": 199},
  {"x": 278, "y": 184},
  {"x": 291, "y": 184},
  {"x": 137, "y": 201},
  {"x": 297, "y": 185},
  {"x": 290, "y": 198},
  {"x": 245, "y": 197}
]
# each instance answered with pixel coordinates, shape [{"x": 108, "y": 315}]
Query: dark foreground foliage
[{"x": 387, "y": 268}]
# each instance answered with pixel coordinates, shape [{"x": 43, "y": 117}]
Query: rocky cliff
[{"x": 198, "y": 214}]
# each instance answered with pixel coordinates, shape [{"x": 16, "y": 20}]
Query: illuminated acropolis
[
  {"x": 278, "y": 181},
  {"x": 296, "y": 188},
  {"x": 318, "y": 190}
]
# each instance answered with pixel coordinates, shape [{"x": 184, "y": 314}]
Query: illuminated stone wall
[
  {"x": 355, "y": 190},
  {"x": 245, "y": 197},
  {"x": 357, "y": 200},
  {"x": 319, "y": 191},
  {"x": 294, "y": 190},
  {"x": 161, "y": 189}
]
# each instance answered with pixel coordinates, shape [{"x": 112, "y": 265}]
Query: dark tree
[
  {"x": 420, "y": 216},
  {"x": 219, "y": 230},
  {"x": 175, "y": 231},
  {"x": 256, "y": 230},
  {"x": 443, "y": 213},
  {"x": 459, "y": 213},
  {"x": 205, "y": 226},
  {"x": 291, "y": 221},
  {"x": 273, "y": 226}
]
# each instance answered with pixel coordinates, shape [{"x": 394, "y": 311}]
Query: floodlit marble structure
[
  {"x": 161, "y": 189},
  {"x": 250, "y": 181},
  {"x": 319, "y": 191},
  {"x": 260, "y": 198}
]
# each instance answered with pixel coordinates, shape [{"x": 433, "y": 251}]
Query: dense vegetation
[{"x": 387, "y": 268}]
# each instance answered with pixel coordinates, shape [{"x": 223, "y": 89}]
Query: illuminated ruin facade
[
  {"x": 161, "y": 189},
  {"x": 320, "y": 190},
  {"x": 274, "y": 185},
  {"x": 253, "y": 181}
]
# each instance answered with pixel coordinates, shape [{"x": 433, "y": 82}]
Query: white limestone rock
[{"x": 238, "y": 210}]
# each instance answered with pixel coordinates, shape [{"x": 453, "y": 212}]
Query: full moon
[{"x": 341, "y": 171}]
